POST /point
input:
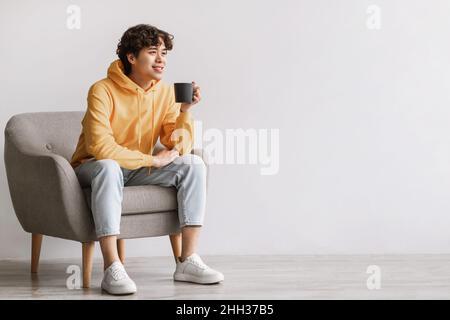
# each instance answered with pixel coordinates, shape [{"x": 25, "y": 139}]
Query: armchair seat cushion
[{"x": 144, "y": 199}]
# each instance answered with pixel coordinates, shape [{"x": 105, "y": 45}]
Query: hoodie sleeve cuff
[
  {"x": 148, "y": 160},
  {"x": 185, "y": 116}
]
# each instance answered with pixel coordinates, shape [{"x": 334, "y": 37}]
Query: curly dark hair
[{"x": 139, "y": 37}]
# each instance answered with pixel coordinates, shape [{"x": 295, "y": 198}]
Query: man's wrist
[
  {"x": 185, "y": 107},
  {"x": 155, "y": 162}
]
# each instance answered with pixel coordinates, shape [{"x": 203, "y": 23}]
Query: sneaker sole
[
  {"x": 119, "y": 292},
  {"x": 194, "y": 279}
]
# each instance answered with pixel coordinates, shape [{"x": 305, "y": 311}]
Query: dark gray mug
[{"x": 184, "y": 92}]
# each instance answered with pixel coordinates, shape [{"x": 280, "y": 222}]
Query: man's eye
[{"x": 154, "y": 52}]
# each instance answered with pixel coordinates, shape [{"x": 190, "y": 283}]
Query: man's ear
[{"x": 131, "y": 58}]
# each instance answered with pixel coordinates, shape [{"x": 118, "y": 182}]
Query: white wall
[{"x": 363, "y": 114}]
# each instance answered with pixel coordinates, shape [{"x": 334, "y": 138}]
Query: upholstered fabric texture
[{"x": 45, "y": 192}]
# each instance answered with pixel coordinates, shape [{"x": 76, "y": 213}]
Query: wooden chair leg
[
  {"x": 87, "y": 256},
  {"x": 36, "y": 242},
  {"x": 121, "y": 249},
  {"x": 175, "y": 241}
]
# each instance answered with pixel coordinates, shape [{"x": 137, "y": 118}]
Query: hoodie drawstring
[
  {"x": 153, "y": 123},
  {"x": 139, "y": 118},
  {"x": 139, "y": 122}
]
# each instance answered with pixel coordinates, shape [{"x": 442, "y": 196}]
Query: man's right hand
[{"x": 164, "y": 157}]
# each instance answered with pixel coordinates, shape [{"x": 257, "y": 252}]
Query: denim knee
[
  {"x": 192, "y": 163},
  {"x": 109, "y": 169}
]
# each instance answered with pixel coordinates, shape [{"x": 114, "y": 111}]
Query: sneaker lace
[
  {"x": 118, "y": 273},
  {"x": 199, "y": 263}
]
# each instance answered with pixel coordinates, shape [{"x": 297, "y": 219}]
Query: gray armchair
[{"x": 48, "y": 199}]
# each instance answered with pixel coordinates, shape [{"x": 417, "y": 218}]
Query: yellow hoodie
[{"x": 123, "y": 121}]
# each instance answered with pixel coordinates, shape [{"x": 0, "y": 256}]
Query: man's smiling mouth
[{"x": 158, "y": 68}]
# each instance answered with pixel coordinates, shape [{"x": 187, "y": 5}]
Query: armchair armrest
[{"x": 46, "y": 195}]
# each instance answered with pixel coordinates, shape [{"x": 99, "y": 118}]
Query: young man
[{"x": 126, "y": 113}]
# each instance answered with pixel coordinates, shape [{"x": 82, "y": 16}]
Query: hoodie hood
[{"x": 117, "y": 75}]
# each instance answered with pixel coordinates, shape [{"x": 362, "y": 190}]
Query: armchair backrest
[{"x": 55, "y": 132}]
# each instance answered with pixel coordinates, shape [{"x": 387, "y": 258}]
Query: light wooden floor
[{"x": 246, "y": 277}]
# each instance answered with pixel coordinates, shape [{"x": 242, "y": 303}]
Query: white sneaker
[
  {"x": 116, "y": 280},
  {"x": 193, "y": 269}
]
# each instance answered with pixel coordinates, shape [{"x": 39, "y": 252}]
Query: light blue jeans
[{"x": 107, "y": 179}]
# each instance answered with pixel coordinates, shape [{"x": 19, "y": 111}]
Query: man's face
[{"x": 150, "y": 62}]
